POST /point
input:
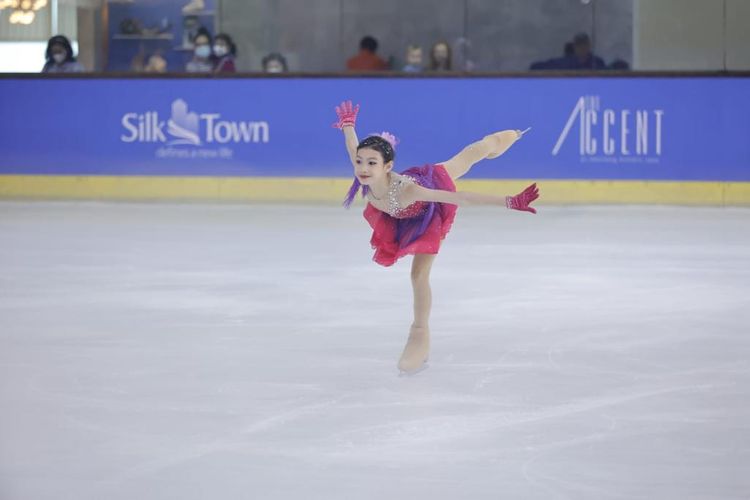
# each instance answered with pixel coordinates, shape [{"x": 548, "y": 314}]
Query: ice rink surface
[{"x": 164, "y": 351}]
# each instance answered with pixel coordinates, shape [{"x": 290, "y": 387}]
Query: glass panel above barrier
[{"x": 409, "y": 36}]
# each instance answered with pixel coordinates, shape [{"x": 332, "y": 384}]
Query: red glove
[
  {"x": 347, "y": 115},
  {"x": 522, "y": 200}
]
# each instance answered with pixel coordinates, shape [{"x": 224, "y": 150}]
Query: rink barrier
[
  {"x": 691, "y": 129},
  {"x": 332, "y": 190}
]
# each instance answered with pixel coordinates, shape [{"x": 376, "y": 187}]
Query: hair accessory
[{"x": 392, "y": 139}]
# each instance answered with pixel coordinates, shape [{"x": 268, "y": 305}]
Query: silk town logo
[
  {"x": 205, "y": 131},
  {"x": 612, "y": 135}
]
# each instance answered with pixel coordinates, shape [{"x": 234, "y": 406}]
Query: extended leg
[{"x": 490, "y": 147}]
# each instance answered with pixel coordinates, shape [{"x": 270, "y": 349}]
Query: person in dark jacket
[{"x": 583, "y": 57}]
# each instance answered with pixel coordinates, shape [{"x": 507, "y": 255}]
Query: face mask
[
  {"x": 220, "y": 50},
  {"x": 58, "y": 57},
  {"x": 203, "y": 51}
]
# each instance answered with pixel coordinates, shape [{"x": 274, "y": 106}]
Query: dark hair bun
[{"x": 380, "y": 145}]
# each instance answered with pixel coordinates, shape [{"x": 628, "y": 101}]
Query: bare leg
[{"x": 418, "y": 346}]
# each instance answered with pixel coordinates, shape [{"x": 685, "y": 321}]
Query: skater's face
[{"x": 369, "y": 166}]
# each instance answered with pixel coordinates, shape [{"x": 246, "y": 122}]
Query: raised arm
[
  {"x": 347, "y": 117},
  {"x": 414, "y": 192},
  {"x": 491, "y": 146}
]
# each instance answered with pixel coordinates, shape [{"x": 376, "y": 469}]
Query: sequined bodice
[{"x": 395, "y": 209}]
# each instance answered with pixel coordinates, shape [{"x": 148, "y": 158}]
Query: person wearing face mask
[
  {"x": 203, "y": 60},
  {"x": 225, "y": 51},
  {"x": 60, "y": 58},
  {"x": 274, "y": 63}
]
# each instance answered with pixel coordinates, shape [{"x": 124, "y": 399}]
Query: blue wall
[{"x": 583, "y": 128}]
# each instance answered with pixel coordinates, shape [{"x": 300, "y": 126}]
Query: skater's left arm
[{"x": 414, "y": 192}]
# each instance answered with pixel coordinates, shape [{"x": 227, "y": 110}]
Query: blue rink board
[{"x": 583, "y": 128}]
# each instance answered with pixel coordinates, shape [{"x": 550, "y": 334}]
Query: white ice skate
[{"x": 416, "y": 352}]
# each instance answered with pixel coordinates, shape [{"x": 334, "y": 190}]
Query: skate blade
[{"x": 411, "y": 373}]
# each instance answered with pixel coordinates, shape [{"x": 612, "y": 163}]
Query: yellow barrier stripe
[{"x": 332, "y": 190}]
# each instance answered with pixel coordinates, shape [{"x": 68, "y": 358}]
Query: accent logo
[{"x": 613, "y": 135}]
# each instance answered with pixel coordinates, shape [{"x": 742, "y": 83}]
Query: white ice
[{"x": 166, "y": 351}]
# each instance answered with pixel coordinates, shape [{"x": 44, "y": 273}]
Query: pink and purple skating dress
[{"x": 417, "y": 228}]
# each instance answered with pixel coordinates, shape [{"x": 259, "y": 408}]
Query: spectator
[
  {"x": 619, "y": 65},
  {"x": 568, "y": 50},
  {"x": 557, "y": 62},
  {"x": 367, "y": 59},
  {"x": 202, "y": 61},
  {"x": 461, "y": 55},
  {"x": 578, "y": 56},
  {"x": 156, "y": 64},
  {"x": 275, "y": 63},
  {"x": 138, "y": 62},
  {"x": 60, "y": 57},
  {"x": 583, "y": 58},
  {"x": 413, "y": 59},
  {"x": 440, "y": 57},
  {"x": 225, "y": 51}
]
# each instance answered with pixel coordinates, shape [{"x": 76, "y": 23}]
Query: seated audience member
[
  {"x": 367, "y": 59},
  {"x": 583, "y": 57},
  {"x": 224, "y": 51},
  {"x": 556, "y": 62},
  {"x": 619, "y": 65},
  {"x": 275, "y": 63},
  {"x": 461, "y": 55},
  {"x": 578, "y": 56},
  {"x": 203, "y": 60},
  {"x": 440, "y": 57},
  {"x": 413, "y": 59},
  {"x": 156, "y": 64},
  {"x": 59, "y": 56}
]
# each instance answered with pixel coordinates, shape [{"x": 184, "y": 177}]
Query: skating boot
[{"x": 414, "y": 358}]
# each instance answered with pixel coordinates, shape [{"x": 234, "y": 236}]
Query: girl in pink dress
[{"x": 411, "y": 212}]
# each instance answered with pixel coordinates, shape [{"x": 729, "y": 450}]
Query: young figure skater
[{"x": 411, "y": 212}]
